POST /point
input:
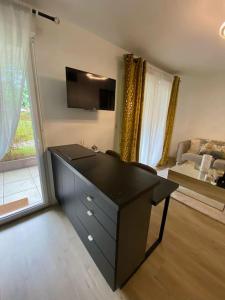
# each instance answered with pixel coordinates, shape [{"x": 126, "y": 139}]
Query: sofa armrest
[{"x": 182, "y": 148}]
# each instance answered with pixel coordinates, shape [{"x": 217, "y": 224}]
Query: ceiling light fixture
[
  {"x": 222, "y": 30},
  {"x": 96, "y": 77}
]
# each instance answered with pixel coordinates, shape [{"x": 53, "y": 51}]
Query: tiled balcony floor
[{"x": 21, "y": 183}]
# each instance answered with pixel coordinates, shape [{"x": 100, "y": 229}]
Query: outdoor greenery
[
  {"x": 23, "y": 143},
  {"x": 17, "y": 153},
  {"x": 24, "y": 130},
  {"x": 26, "y": 99}
]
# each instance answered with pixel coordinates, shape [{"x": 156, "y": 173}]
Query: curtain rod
[{"x": 41, "y": 14}]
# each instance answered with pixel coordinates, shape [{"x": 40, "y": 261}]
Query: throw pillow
[
  {"x": 207, "y": 148},
  {"x": 217, "y": 151},
  {"x": 218, "y": 155},
  {"x": 195, "y": 146}
]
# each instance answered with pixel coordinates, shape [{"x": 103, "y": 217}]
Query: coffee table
[{"x": 195, "y": 185}]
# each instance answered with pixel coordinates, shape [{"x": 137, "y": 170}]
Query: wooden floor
[{"x": 42, "y": 258}]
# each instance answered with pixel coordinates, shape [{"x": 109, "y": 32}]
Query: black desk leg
[
  {"x": 164, "y": 216},
  {"x": 162, "y": 226}
]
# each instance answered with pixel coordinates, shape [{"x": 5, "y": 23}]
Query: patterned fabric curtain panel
[
  {"x": 135, "y": 69},
  {"x": 170, "y": 121}
]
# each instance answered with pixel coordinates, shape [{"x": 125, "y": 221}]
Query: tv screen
[{"x": 89, "y": 91}]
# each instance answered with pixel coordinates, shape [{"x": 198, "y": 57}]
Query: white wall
[
  {"x": 201, "y": 105},
  {"x": 57, "y": 46},
  {"x": 200, "y": 110}
]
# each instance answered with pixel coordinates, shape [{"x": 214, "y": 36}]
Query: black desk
[{"x": 109, "y": 203}]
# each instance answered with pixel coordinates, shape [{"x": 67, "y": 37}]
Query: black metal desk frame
[{"x": 162, "y": 226}]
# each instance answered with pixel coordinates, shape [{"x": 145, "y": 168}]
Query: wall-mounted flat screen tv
[{"x": 89, "y": 91}]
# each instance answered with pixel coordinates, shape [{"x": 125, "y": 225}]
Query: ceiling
[{"x": 178, "y": 35}]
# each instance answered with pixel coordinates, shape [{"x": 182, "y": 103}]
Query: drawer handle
[
  {"x": 89, "y": 213},
  {"x": 89, "y": 198},
  {"x": 90, "y": 238}
]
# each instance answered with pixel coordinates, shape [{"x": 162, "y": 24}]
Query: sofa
[{"x": 193, "y": 150}]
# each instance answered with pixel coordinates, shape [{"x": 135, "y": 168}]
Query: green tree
[{"x": 26, "y": 98}]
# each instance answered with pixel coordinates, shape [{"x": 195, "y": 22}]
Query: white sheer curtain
[
  {"x": 15, "y": 27},
  {"x": 158, "y": 86}
]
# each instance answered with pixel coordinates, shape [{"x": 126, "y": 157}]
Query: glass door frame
[{"x": 38, "y": 138}]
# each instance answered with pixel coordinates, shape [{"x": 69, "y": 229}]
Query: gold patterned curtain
[
  {"x": 170, "y": 121},
  {"x": 132, "y": 107}
]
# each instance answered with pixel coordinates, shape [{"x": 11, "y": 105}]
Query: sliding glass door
[
  {"x": 22, "y": 173},
  {"x": 22, "y": 169}
]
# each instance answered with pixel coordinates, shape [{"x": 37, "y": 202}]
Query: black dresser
[{"x": 109, "y": 204}]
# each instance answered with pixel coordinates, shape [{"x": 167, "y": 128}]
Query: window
[{"x": 158, "y": 86}]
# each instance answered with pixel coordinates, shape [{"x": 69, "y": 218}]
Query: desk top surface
[{"x": 116, "y": 179}]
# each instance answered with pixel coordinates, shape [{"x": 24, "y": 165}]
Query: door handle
[
  {"x": 90, "y": 238},
  {"x": 89, "y": 198}
]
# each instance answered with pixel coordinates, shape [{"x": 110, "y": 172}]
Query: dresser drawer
[
  {"x": 105, "y": 268},
  {"x": 98, "y": 198},
  {"x": 99, "y": 214},
  {"x": 105, "y": 242}
]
